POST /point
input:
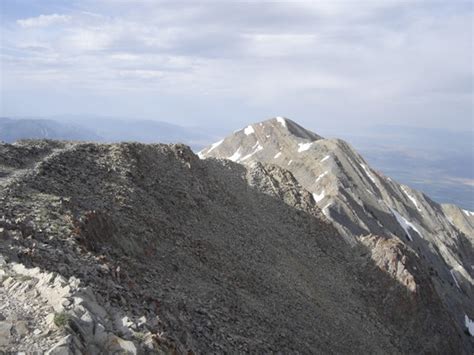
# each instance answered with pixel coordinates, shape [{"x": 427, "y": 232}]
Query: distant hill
[
  {"x": 100, "y": 129},
  {"x": 12, "y": 130},
  {"x": 144, "y": 131}
]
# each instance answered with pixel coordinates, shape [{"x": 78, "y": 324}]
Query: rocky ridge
[
  {"x": 360, "y": 201},
  {"x": 147, "y": 249}
]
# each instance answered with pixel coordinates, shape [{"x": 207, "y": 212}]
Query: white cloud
[
  {"x": 141, "y": 74},
  {"x": 87, "y": 39},
  {"x": 379, "y": 58},
  {"x": 281, "y": 44},
  {"x": 43, "y": 20},
  {"x": 350, "y": 9}
]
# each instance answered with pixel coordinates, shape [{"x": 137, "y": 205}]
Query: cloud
[
  {"x": 141, "y": 74},
  {"x": 86, "y": 39},
  {"x": 43, "y": 20},
  {"x": 281, "y": 44},
  {"x": 367, "y": 60}
]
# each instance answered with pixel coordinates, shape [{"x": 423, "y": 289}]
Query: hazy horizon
[{"x": 323, "y": 64}]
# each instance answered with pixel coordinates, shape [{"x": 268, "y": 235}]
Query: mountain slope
[
  {"x": 360, "y": 201},
  {"x": 137, "y": 248}
]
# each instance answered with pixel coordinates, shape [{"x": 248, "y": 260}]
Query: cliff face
[
  {"x": 139, "y": 248},
  {"x": 359, "y": 201}
]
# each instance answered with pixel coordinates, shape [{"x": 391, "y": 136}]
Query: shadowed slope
[
  {"x": 360, "y": 201},
  {"x": 230, "y": 258}
]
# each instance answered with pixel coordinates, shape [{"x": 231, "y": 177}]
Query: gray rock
[
  {"x": 63, "y": 347},
  {"x": 21, "y": 328},
  {"x": 5, "y": 332},
  {"x": 115, "y": 344}
]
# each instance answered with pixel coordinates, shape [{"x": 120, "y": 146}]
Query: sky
[{"x": 329, "y": 64}]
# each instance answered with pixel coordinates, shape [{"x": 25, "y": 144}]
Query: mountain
[
  {"x": 12, "y": 130},
  {"x": 360, "y": 201},
  {"x": 145, "y": 248},
  {"x": 143, "y": 131},
  {"x": 101, "y": 129}
]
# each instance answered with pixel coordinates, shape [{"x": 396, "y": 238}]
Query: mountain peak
[
  {"x": 267, "y": 137},
  {"x": 284, "y": 125}
]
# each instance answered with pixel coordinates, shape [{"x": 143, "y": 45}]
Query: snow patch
[
  {"x": 468, "y": 213},
  {"x": 277, "y": 155},
  {"x": 249, "y": 130},
  {"x": 257, "y": 148},
  {"x": 321, "y": 176},
  {"x": 201, "y": 153},
  {"x": 412, "y": 199},
  {"x": 291, "y": 161},
  {"x": 326, "y": 211},
  {"x": 282, "y": 121},
  {"x": 369, "y": 174},
  {"x": 304, "y": 146},
  {"x": 319, "y": 197},
  {"x": 214, "y": 146},
  {"x": 405, "y": 224},
  {"x": 235, "y": 156},
  {"x": 453, "y": 275},
  {"x": 469, "y": 325},
  {"x": 325, "y": 158}
]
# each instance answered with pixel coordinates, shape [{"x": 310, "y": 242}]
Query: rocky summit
[{"x": 147, "y": 249}]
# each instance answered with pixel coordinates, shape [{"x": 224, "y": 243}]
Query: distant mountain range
[
  {"x": 12, "y": 130},
  {"x": 99, "y": 129}
]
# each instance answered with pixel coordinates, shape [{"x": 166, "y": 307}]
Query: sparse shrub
[
  {"x": 61, "y": 319},
  {"x": 140, "y": 336}
]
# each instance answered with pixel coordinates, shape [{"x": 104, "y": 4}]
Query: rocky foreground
[{"x": 136, "y": 248}]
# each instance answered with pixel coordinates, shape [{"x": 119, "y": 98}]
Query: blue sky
[{"x": 329, "y": 64}]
